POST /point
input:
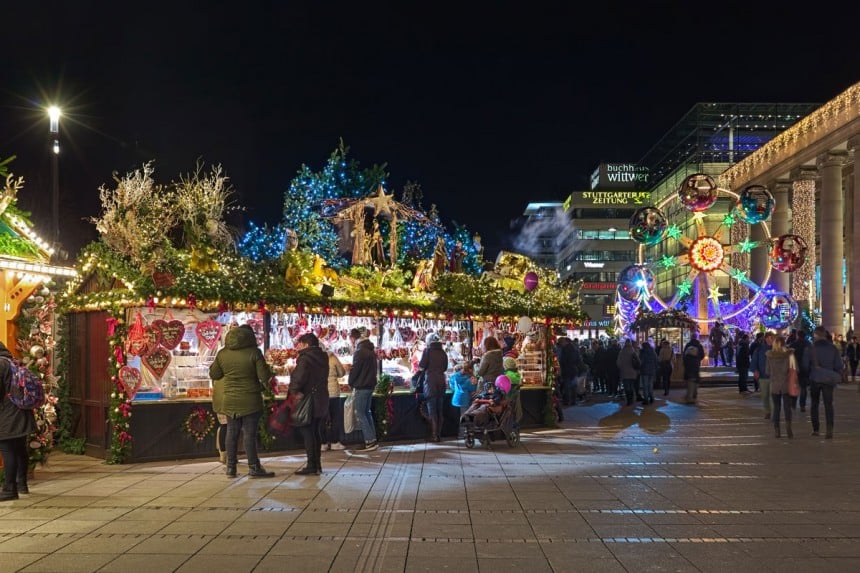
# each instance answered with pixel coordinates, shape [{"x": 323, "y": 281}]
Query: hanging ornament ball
[
  {"x": 37, "y": 351},
  {"x": 634, "y": 281},
  {"x": 788, "y": 253},
  {"x": 524, "y": 324},
  {"x": 778, "y": 310},
  {"x": 755, "y": 204},
  {"x": 648, "y": 225},
  {"x": 530, "y": 281},
  {"x": 45, "y": 291},
  {"x": 698, "y": 192}
]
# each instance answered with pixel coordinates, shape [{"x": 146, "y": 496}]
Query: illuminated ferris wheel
[{"x": 708, "y": 253}]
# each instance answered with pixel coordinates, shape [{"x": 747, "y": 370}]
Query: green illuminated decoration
[
  {"x": 667, "y": 262},
  {"x": 684, "y": 288},
  {"x": 739, "y": 275},
  {"x": 729, "y": 219},
  {"x": 747, "y": 245},
  {"x": 674, "y": 232}
]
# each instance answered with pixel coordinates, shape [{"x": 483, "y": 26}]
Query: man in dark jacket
[
  {"x": 362, "y": 379},
  {"x": 15, "y": 425},
  {"x": 694, "y": 353},
  {"x": 568, "y": 356},
  {"x": 823, "y": 361},
  {"x": 246, "y": 376},
  {"x": 310, "y": 376},
  {"x": 758, "y": 365}
]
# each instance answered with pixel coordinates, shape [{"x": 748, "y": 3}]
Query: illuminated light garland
[
  {"x": 739, "y": 260},
  {"x": 803, "y": 225}
]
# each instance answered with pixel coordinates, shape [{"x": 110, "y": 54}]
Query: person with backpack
[{"x": 16, "y": 423}]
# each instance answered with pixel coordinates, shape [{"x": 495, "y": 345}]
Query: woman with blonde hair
[{"x": 779, "y": 359}]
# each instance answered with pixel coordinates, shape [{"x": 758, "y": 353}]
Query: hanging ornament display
[
  {"x": 129, "y": 381},
  {"x": 171, "y": 332},
  {"x": 209, "y": 332},
  {"x": 634, "y": 281},
  {"x": 530, "y": 281},
  {"x": 778, "y": 310},
  {"x": 157, "y": 362},
  {"x": 648, "y": 225},
  {"x": 788, "y": 253},
  {"x": 698, "y": 192},
  {"x": 755, "y": 204}
]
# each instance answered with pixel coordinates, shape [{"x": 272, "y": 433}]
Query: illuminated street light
[{"x": 54, "y": 115}]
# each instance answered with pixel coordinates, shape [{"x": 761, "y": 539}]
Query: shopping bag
[
  {"x": 279, "y": 419},
  {"x": 793, "y": 384},
  {"x": 349, "y": 415},
  {"x": 303, "y": 412}
]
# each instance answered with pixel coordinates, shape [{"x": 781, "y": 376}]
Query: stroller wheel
[
  {"x": 470, "y": 441},
  {"x": 513, "y": 438}
]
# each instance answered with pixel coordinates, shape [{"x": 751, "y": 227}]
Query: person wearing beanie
[
  {"x": 434, "y": 362},
  {"x": 512, "y": 372}
]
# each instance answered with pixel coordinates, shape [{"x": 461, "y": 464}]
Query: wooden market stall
[{"x": 676, "y": 326}]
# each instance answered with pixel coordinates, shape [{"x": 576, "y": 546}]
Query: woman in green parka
[{"x": 244, "y": 376}]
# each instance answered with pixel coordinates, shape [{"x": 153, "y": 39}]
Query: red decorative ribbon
[
  {"x": 414, "y": 314},
  {"x": 124, "y": 437},
  {"x": 222, "y": 307},
  {"x": 192, "y": 301},
  {"x": 300, "y": 309},
  {"x": 118, "y": 355},
  {"x": 150, "y": 303},
  {"x": 353, "y": 310},
  {"x": 261, "y": 306},
  {"x": 111, "y": 325}
]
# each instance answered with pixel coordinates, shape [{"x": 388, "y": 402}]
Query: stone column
[
  {"x": 854, "y": 245},
  {"x": 831, "y": 206},
  {"x": 780, "y": 224}
]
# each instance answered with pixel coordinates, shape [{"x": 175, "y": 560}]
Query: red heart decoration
[
  {"x": 138, "y": 347},
  {"x": 157, "y": 362},
  {"x": 130, "y": 381},
  {"x": 209, "y": 333},
  {"x": 153, "y": 334},
  {"x": 171, "y": 332}
]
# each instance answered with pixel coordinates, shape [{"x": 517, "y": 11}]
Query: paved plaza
[{"x": 669, "y": 487}]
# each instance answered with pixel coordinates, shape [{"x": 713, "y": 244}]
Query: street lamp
[{"x": 54, "y": 115}]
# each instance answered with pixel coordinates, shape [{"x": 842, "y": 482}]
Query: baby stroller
[{"x": 483, "y": 426}]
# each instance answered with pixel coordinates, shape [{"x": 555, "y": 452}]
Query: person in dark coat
[
  {"x": 801, "y": 346},
  {"x": 246, "y": 377},
  {"x": 310, "y": 376},
  {"x": 743, "y": 362},
  {"x": 434, "y": 362},
  {"x": 362, "y": 379},
  {"x": 610, "y": 366},
  {"x": 694, "y": 353},
  {"x": 568, "y": 362},
  {"x": 15, "y": 425}
]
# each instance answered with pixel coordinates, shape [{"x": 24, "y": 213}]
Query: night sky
[{"x": 487, "y": 107}]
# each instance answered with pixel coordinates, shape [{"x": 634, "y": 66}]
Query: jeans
[
  {"x": 648, "y": 386},
  {"x": 14, "y": 453},
  {"x": 436, "y": 410},
  {"x": 816, "y": 390},
  {"x": 334, "y": 422},
  {"x": 313, "y": 443},
  {"x": 363, "y": 404},
  {"x": 779, "y": 401},
  {"x": 764, "y": 384},
  {"x": 627, "y": 384},
  {"x": 248, "y": 425}
]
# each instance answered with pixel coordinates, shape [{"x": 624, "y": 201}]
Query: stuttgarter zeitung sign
[{"x": 586, "y": 199}]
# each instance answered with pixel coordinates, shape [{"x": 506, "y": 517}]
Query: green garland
[
  {"x": 119, "y": 410},
  {"x": 549, "y": 418}
]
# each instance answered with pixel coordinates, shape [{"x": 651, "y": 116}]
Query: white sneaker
[{"x": 338, "y": 446}]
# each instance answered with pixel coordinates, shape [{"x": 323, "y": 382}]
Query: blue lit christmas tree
[{"x": 262, "y": 243}]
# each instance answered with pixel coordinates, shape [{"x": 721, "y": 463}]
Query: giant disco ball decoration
[
  {"x": 755, "y": 204},
  {"x": 698, "y": 192},
  {"x": 633, "y": 280},
  {"x": 788, "y": 253},
  {"x": 648, "y": 225},
  {"x": 778, "y": 310}
]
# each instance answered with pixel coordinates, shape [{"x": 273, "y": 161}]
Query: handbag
[
  {"x": 793, "y": 383},
  {"x": 303, "y": 411},
  {"x": 349, "y": 414}
]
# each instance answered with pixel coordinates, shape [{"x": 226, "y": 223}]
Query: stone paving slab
[{"x": 667, "y": 487}]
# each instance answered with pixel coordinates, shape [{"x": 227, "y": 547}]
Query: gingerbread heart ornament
[
  {"x": 130, "y": 381},
  {"x": 153, "y": 334},
  {"x": 209, "y": 333},
  {"x": 157, "y": 362},
  {"x": 171, "y": 332},
  {"x": 138, "y": 346}
]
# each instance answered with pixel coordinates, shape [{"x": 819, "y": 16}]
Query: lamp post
[{"x": 54, "y": 115}]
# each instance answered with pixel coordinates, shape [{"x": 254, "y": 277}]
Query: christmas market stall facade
[{"x": 166, "y": 281}]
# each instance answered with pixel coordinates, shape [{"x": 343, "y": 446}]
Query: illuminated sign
[
  {"x": 599, "y": 286},
  {"x": 609, "y": 310},
  {"x": 590, "y": 265},
  {"x": 619, "y": 176},
  {"x": 629, "y": 199}
]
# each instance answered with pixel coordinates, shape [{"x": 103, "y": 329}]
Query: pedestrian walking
[
  {"x": 742, "y": 362},
  {"x": 778, "y": 361},
  {"x": 825, "y": 371},
  {"x": 758, "y": 363},
  {"x": 694, "y": 353},
  {"x": 666, "y": 360},
  {"x": 362, "y": 380}
]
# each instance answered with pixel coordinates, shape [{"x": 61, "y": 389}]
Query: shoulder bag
[
  {"x": 303, "y": 411},
  {"x": 793, "y": 383}
]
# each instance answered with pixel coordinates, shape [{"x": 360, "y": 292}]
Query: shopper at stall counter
[
  {"x": 334, "y": 423},
  {"x": 15, "y": 425},
  {"x": 434, "y": 363},
  {"x": 362, "y": 380},
  {"x": 490, "y": 366},
  {"x": 310, "y": 376},
  {"x": 245, "y": 378}
]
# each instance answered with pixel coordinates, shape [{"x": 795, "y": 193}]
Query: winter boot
[
  {"x": 257, "y": 471},
  {"x": 22, "y": 481},
  {"x": 231, "y": 470},
  {"x": 9, "y": 493}
]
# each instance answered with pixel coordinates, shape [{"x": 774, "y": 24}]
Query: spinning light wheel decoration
[{"x": 706, "y": 253}]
